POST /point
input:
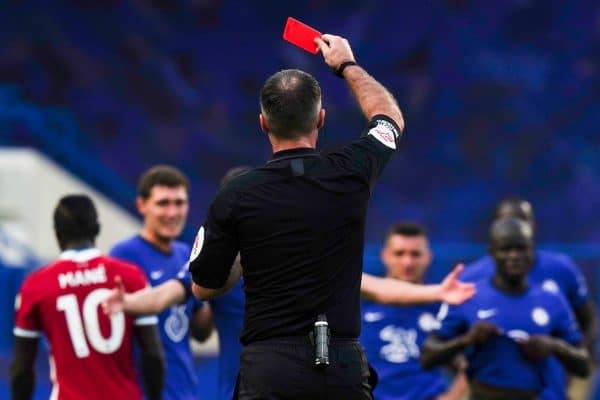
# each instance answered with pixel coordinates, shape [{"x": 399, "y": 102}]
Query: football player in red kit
[{"x": 91, "y": 353}]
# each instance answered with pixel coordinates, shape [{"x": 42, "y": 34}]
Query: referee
[{"x": 298, "y": 224}]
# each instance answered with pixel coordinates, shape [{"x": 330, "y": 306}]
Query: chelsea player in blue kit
[
  {"x": 163, "y": 202},
  {"x": 510, "y": 327},
  {"x": 392, "y": 335},
  {"x": 556, "y": 273},
  {"x": 227, "y": 312}
]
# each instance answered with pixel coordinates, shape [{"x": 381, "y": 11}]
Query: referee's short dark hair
[
  {"x": 75, "y": 218},
  {"x": 290, "y": 101},
  {"x": 406, "y": 228},
  {"x": 161, "y": 175}
]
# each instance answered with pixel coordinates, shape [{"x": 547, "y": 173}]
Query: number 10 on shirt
[{"x": 89, "y": 326}]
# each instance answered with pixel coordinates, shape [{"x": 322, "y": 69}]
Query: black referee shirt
[{"x": 298, "y": 223}]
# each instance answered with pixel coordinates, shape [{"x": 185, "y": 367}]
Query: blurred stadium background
[{"x": 500, "y": 98}]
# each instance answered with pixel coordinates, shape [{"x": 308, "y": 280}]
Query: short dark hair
[
  {"x": 161, "y": 175},
  {"x": 290, "y": 101},
  {"x": 406, "y": 228},
  {"x": 75, "y": 219},
  {"x": 510, "y": 226},
  {"x": 516, "y": 207},
  {"x": 233, "y": 173}
]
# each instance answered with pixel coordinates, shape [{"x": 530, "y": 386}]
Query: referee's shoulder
[{"x": 252, "y": 177}]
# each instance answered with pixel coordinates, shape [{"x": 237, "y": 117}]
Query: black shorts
[{"x": 283, "y": 368}]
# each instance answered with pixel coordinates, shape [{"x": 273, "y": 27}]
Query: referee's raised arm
[{"x": 372, "y": 97}]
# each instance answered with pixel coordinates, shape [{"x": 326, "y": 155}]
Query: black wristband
[{"x": 340, "y": 70}]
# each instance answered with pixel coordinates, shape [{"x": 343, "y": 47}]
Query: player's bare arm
[
  {"x": 586, "y": 317},
  {"x": 575, "y": 359},
  {"x": 22, "y": 375},
  {"x": 371, "y": 96},
  {"x": 437, "y": 351},
  {"x": 394, "y": 291},
  {"x": 151, "y": 300}
]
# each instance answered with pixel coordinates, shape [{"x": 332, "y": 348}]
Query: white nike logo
[
  {"x": 156, "y": 274},
  {"x": 373, "y": 316},
  {"x": 483, "y": 314},
  {"x": 517, "y": 335}
]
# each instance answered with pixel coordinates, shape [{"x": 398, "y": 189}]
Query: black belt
[{"x": 305, "y": 339}]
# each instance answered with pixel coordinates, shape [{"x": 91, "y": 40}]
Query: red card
[{"x": 301, "y": 35}]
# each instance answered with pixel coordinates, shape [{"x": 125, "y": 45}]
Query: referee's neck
[{"x": 302, "y": 142}]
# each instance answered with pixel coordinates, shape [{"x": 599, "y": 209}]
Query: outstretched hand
[
  {"x": 454, "y": 291},
  {"x": 115, "y": 302}
]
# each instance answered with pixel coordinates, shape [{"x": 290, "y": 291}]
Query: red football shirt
[{"x": 91, "y": 353}]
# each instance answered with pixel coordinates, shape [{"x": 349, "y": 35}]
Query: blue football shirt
[
  {"x": 392, "y": 337},
  {"x": 499, "y": 361},
  {"x": 181, "y": 382}
]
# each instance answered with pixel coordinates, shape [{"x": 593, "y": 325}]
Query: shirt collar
[
  {"x": 80, "y": 255},
  {"x": 296, "y": 152}
]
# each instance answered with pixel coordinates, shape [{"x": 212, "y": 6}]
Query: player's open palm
[
  {"x": 482, "y": 331},
  {"x": 115, "y": 302},
  {"x": 454, "y": 291}
]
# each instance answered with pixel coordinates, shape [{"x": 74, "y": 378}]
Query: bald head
[
  {"x": 290, "y": 102},
  {"x": 515, "y": 208}
]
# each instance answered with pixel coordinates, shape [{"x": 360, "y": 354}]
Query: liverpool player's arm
[
  {"x": 22, "y": 375},
  {"x": 27, "y": 331},
  {"x": 153, "y": 360}
]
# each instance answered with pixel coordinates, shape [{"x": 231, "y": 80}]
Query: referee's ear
[
  {"x": 321, "y": 119},
  {"x": 263, "y": 124}
]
